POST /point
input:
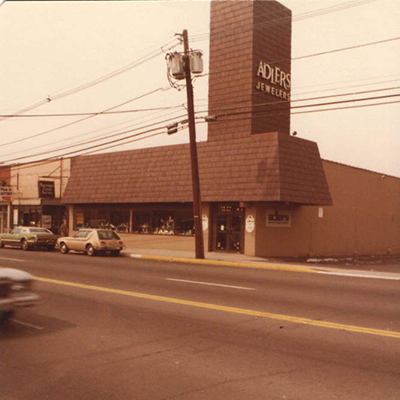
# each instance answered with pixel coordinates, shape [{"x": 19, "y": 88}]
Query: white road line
[
  {"x": 209, "y": 284},
  {"x": 12, "y": 259},
  {"x": 39, "y": 328},
  {"x": 382, "y": 275}
]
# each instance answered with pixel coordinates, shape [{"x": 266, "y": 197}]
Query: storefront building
[
  {"x": 37, "y": 190},
  {"x": 264, "y": 192},
  {"x": 6, "y": 193}
]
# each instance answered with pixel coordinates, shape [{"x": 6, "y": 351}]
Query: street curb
[{"x": 225, "y": 263}]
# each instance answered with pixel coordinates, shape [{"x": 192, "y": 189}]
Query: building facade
[
  {"x": 35, "y": 193},
  {"x": 5, "y": 198},
  {"x": 264, "y": 192}
]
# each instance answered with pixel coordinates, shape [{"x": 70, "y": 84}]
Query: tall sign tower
[{"x": 250, "y": 60}]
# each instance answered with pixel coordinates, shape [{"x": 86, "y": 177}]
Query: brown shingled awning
[{"x": 267, "y": 167}]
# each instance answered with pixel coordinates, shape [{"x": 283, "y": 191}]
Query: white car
[
  {"x": 92, "y": 241},
  {"x": 16, "y": 290}
]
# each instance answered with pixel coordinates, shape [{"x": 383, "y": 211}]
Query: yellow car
[{"x": 92, "y": 241}]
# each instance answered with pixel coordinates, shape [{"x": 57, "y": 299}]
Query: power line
[
  {"x": 312, "y": 105},
  {"x": 91, "y": 114},
  {"x": 151, "y": 55},
  {"x": 112, "y": 144},
  {"x": 299, "y": 17},
  {"x": 237, "y": 113},
  {"x": 97, "y": 81},
  {"x": 272, "y": 112},
  {"x": 88, "y": 116},
  {"x": 108, "y": 112},
  {"x": 96, "y": 140},
  {"x": 305, "y": 99},
  {"x": 346, "y": 87},
  {"x": 347, "y": 48},
  {"x": 284, "y": 112},
  {"x": 86, "y": 133},
  {"x": 223, "y": 71},
  {"x": 129, "y": 141},
  {"x": 347, "y": 108}
]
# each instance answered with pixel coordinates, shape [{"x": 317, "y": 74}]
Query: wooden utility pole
[{"x": 198, "y": 226}]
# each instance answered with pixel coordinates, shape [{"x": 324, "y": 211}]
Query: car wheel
[
  {"x": 115, "y": 253},
  {"x": 64, "y": 248},
  {"x": 1, "y": 245},
  {"x": 90, "y": 250},
  {"x": 25, "y": 245},
  {"x": 5, "y": 316}
]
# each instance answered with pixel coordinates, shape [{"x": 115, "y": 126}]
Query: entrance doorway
[{"x": 228, "y": 228}]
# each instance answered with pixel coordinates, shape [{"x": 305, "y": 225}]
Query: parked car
[
  {"x": 16, "y": 290},
  {"x": 92, "y": 241},
  {"x": 29, "y": 237}
]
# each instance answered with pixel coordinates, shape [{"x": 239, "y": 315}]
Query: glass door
[
  {"x": 222, "y": 233},
  {"x": 235, "y": 234},
  {"x": 229, "y": 229}
]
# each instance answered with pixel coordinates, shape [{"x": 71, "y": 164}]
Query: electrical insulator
[
  {"x": 196, "y": 62},
  {"x": 175, "y": 62}
]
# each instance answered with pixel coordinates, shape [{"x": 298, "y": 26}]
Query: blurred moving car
[
  {"x": 92, "y": 241},
  {"x": 16, "y": 290},
  {"x": 28, "y": 237}
]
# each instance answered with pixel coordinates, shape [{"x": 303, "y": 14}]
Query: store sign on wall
[
  {"x": 46, "y": 221},
  {"x": 250, "y": 224},
  {"x": 204, "y": 219},
  {"x": 277, "y": 83},
  {"x": 6, "y": 193},
  {"x": 46, "y": 189},
  {"x": 278, "y": 219}
]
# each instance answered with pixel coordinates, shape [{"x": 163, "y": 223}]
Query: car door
[
  {"x": 12, "y": 238},
  {"x": 78, "y": 241}
]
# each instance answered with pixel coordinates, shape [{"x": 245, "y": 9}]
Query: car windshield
[{"x": 108, "y": 235}]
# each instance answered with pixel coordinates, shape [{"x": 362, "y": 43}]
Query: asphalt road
[{"x": 124, "y": 328}]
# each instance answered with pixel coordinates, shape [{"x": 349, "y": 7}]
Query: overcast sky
[{"x": 85, "y": 57}]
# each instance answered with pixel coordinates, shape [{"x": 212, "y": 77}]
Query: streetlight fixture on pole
[{"x": 183, "y": 70}]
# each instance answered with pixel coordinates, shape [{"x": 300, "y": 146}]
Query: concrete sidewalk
[{"x": 182, "y": 249}]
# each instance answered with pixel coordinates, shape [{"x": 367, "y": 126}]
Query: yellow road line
[
  {"x": 274, "y": 267},
  {"x": 235, "y": 310}
]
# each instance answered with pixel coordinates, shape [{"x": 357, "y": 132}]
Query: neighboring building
[
  {"x": 264, "y": 192},
  {"x": 5, "y": 197},
  {"x": 37, "y": 189}
]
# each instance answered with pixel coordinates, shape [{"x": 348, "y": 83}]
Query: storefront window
[
  {"x": 146, "y": 219},
  {"x": 141, "y": 224},
  {"x": 163, "y": 224},
  {"x": 29, "y": 215},
  {"x": 3, "y": 219},
  {"x": 101, "y": 217}
]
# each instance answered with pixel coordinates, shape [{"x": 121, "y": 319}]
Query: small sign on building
[
  {"x": 278, "y": 219},
  {"x": 205, "y": 222},
  {"x": 250, "y": 223},
  {"x": 6, "y": 193},
  {"x": 46, "y": 221},
  {"x": 46, "y": 189}
]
